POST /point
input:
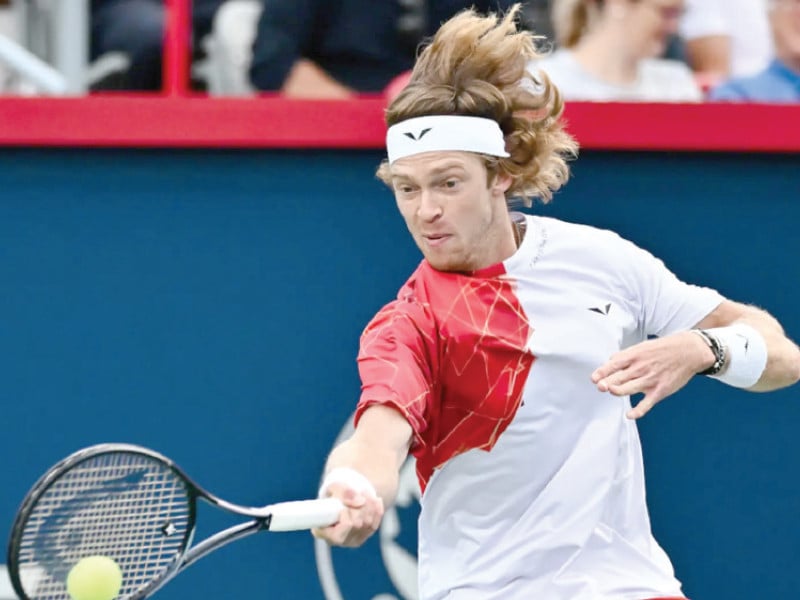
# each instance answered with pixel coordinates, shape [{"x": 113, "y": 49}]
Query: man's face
[
  {"x": 453, "y": 213},
  {"x": 785, "y": 19},
  {"x": 651, "y": 23}
]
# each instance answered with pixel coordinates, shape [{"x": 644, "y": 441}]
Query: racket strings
[{"x": 127, "y": 506}]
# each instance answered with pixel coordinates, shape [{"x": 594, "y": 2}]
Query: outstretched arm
[
  {"x": 783, "y": 357},
  {"x": 662, "y": 366},
  {"x": 363, "y": 473}
]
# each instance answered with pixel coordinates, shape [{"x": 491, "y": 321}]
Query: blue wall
[{"x": 208, "y": 304}]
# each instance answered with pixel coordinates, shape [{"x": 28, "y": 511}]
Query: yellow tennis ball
[{"x": 94, "y": 578}]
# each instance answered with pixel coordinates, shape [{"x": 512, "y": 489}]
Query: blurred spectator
[
  {"x": 337, "y": 48},
  {"x": 726, "y": 38},
  {"x": 780, "y": 81},
  {"x": 8, "y": 30},
  {"x": 135, "y": 29},
  {"x": 536, "y": 14},
  {"x": 608, "y": 51}
]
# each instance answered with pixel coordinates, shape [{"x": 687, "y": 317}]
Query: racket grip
[{"x": 304, "y": 514}]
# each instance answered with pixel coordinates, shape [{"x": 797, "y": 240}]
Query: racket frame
[{"x": 185, "y": 555}]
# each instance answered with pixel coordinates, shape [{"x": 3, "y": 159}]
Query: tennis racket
[{"x": 135, "y": 506}]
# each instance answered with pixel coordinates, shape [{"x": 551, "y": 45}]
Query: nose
[
  {"x": 672, "y": 17},
  {"x": 429, "y": 208}
]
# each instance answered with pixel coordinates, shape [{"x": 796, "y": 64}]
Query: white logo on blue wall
[{"x": 385, "y": 567}]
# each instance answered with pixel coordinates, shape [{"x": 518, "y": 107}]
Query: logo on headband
[{"x": 419, "y": 136}]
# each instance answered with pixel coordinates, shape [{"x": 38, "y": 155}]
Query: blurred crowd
[{"x": 596, "y": 50}]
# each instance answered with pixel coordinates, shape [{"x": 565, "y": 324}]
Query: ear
[{"x": 501, "y": 183}]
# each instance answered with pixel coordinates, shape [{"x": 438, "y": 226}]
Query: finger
[
  {"x": 644, "y": 406},
  {"x": 630, "y": 387},
  {"x": 366, "y": 522},
  {"x": 356, "y": 537},
  {"x": 373, "y": 515},
  {"x": 362, "y": 517},
  {"x": 616, "y": 363},
  {"x": 615, "y": 379},
  {"x": 350, "y": 497},
  {"x": 355, "y": 524},
  {"x": 378, "y": 515},
  {"x": 333, "y": 535}
]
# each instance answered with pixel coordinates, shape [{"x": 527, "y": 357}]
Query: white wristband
[
  {"x": 349, "y": 477},
  {"x": 746, "y": 355}
]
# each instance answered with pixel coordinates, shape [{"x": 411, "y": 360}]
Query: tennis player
[{"x": 506, "y": 363}]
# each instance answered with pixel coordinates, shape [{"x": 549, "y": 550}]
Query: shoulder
[
  {"x": 672, "y": 79},
  {"x": 554, "y": 64},
  {"x": 410, "y": 305},
  {"x": 668, "y": 72},
  {"x": 742, "y": 88},
  {"x": 602, "y": 250},
  {"x": 572, "y": 228},
  {"x": 589, "y": 243},
  {"x": 569, "y": 76},
  {"x": 666, "y": 67},
  {"x": 765, "y": 86},
  {"x": 556, "y": 56}
]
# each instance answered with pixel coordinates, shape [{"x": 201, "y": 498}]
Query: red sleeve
[{"x": 396, "y": 364}]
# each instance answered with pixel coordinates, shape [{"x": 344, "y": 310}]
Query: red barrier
[
  {"x": 273, "y": 122},
  {"x": 181, "y": 118},
  {"x": 177, "y": 44}
]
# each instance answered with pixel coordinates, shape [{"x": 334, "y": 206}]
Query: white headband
[{"x": 445, "y": 132}]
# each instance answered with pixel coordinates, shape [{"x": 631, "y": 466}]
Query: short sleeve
[
  {"x": 727, "y": 92},
  {"x": 664, "y": 304},
  {"x": 395, "y": 364}
]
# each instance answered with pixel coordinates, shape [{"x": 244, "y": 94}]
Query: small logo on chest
[{"x": 601, "y": 310}]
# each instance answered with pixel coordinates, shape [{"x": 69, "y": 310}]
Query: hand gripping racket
[{"x": 132, "y": 505}]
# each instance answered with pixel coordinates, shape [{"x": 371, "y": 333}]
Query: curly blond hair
[{"x": 476, "y": 65}]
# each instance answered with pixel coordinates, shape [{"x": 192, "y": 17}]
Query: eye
[
  {"x": 403, "y": 188},
  {"x": 451, "y": 183}
]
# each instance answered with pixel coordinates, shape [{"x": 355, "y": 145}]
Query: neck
[
  {"x": 519, "y": 225},
  {"x": 507, "y": 238},
  {"x": 603, "y": 55}
]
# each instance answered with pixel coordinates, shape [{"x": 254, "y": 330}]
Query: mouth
[{"x": 436, "y": 239}]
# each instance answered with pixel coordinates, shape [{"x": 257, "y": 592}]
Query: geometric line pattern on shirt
[{"x": 451, "y": 355}]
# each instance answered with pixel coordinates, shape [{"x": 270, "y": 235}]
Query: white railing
[{"x": 52, "y": 54}]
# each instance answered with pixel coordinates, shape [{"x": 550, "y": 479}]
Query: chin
[
  {"x": 440, "y": 265},
  {"x": 659, "y": 48},
  {"x": 443, "y": 263}
]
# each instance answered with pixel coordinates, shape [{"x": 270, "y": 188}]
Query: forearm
[
  {"x": 307, "y": 80},
  {"x": 376, "y": 450},
  {"x": 782, "y": 367},
  {"x": 783, "y": 355},
  {"x": 379, "y": 466}
]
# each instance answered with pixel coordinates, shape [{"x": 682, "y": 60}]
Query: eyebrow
[{"x": 438, "y": 171}]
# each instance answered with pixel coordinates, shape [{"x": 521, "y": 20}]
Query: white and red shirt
[{"x": 532, "y": 479}]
